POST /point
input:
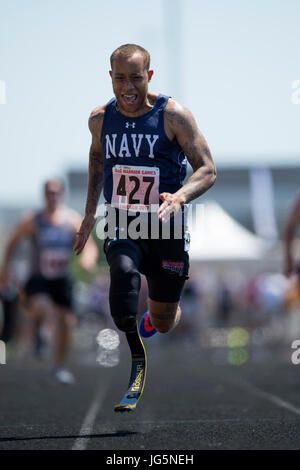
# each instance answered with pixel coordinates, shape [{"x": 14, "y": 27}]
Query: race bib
[
  {"x": 135, "y": 188},
  {"x": 54, "y": 263}
]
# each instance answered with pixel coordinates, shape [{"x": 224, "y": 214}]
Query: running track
[{"x": 191, "y": 401}]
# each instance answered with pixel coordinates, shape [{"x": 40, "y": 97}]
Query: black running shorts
[
  {"x": 59, "y": 290},
  {"x": 164, "y": 262}
]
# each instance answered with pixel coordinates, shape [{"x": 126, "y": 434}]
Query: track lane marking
[
  {"x": 88, "y": 422},
  {"x": 270, "y": 397}
]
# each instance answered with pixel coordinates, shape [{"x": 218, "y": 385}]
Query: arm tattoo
[
  {"x": 94, "y": 183},
  {"x": 195, "y": 147},
  {"x": 95, "y": 180},
  {"x": 175, "y": 118}
]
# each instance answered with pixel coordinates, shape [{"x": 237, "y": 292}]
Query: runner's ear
[{"x": 150, "y": 73}]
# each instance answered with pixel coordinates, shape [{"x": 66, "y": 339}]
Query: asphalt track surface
[{"x": 193, "y": 400}]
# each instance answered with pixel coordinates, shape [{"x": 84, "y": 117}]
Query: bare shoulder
[
  {"x": 96, "y": 119},
  {"x": 179, "y": 122},
  {"x": 98, "y": 112},
  {"x": 178, "y": 115},
  {"x": 71, "y": 214},
  {"x": 73, "y": 217},
  {"x": 152, "y": 97},
  {"x": 26, "y": 226},
  {"x": 27, "y": 217}
]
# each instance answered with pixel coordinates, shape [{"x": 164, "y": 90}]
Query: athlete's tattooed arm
[
  {"x": 95, "y": 165},
  {"x": 95, "y": 180},
  {"x": 180, "y": 124}
]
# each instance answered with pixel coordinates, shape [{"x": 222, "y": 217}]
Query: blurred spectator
[{"x": 224, "y": 304}]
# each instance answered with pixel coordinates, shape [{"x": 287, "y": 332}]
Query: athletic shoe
[
  {"x": 146, "y": 329},
  {"x": 62, "y": 376}
]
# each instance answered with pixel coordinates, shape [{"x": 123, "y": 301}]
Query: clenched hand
[{"x": 170, "y": 206}]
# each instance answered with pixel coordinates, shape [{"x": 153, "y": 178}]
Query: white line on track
[
  {"x": 88, "y": 422},
  {"x": 270, "y": 397}
]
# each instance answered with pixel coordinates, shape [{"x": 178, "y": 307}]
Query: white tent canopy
[{"x": 217, "y": 236}]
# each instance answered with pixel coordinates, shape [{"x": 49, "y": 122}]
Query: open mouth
[{"x": 129, "y": 100}]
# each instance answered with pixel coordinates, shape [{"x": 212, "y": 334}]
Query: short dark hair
[{"x": 127, "y": 50}]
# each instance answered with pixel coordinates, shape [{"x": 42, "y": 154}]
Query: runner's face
[
  {"x": 53, "y": 194},
  {"x": 130, "y": 83}
]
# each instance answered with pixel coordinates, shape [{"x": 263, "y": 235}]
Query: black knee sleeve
[
  {"x": 124, "y": 310},
  {"x": 124, "y": 291}
]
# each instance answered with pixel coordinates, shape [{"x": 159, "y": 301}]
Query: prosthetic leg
[{"x": 138, "y": 373}]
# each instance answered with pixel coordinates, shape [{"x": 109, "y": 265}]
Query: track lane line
[
  {"x": 88, "y": 422},
  {"x": 269, "y": 397}
]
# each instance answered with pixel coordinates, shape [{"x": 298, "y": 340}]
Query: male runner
[
  {"x": 139, "y": 132},
  {"x": 48, "y": 290}
]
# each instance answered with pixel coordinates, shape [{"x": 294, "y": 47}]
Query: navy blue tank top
[
  {"x": 52, "y": 247},
  {"x": 141, "y": 141}
]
